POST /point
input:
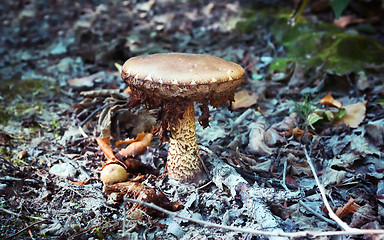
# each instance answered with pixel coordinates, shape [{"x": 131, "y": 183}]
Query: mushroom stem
[{"x": 183, "y": 161}]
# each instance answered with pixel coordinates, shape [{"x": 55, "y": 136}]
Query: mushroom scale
[{"x": 173, "y": 82}]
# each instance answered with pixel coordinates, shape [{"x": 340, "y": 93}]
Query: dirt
[{"x": 56, "y": 52}]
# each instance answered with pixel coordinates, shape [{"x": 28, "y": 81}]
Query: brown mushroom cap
[{"x": 193, "y": 77}]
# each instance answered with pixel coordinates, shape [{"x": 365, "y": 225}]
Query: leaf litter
[{"x": 254, "y": 152}]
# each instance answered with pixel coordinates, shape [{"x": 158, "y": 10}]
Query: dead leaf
[
  {"x": 354, "y": 114},
  {"x": 257, "y": 143},
  {"x": 137, "y": 146},
  {"x": 86, "y": 181},
  {"x": 136, "y": 166},
  {"x": 106, "y": 148},
  {"x": 297, "y": 167},
  {"x": 330, "y": 101},
  {"x": 261, "y": 167},
  {"x": 297, "y": 133},
  {"x": 286, "y": 124},
  {"x": 290, "y": 180},
  {"x": 332, "y": 176},
  {"x": 141, "y": 192},
  {"x": 349, "y": 207},
  {"x": 344, "y": 21},
  {"x": 127, "y": 90},
  {"x": 86, "y": 81},
  {"x": 365, "y": 214},
  {"x": 244, "y": 99}
]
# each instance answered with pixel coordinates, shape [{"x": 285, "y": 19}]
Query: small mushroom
[
  {"x": 113, "y": 173},
  {"x": 173, "y": 82}
]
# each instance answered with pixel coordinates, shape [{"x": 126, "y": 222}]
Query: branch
[
  {"x": 350, "y": 231},
  {"x": 324, "y": 197}
]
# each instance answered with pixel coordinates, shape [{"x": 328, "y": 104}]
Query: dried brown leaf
[
  {"x": 106, "y": 148},
  {"x": 297, "y": 167},
  {"x": 144, "y": 193},
  {"x": 354, "y": 114},
  {"x": 137, "y": 146},
  {"x": 344, "y": 21},
  {"x": 244, "y": 99},
  {"x": 81, "y": 183},
  {"x": 330, "y": 101},
  {"x": 349, "y": 207},
  {"x": 84, "y": 81},
  {"x": 257, "y": 144}
]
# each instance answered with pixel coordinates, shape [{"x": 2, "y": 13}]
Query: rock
[{"x": 63, "y": 170}]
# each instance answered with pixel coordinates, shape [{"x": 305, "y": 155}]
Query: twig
[
  {"x": 201, "y": 187},
  {"x": 24, "y": 229},
  {"x": 93, "y": 114},
  {"x": 284, "y": 176},
  {"x": 317, "y": 214},
  {"x": 19, "y": 215},
  {"x": 324, "y": 197},
  {"x": 82, "y": 132},
  {"x": 241, "y": 118},
  {"x": 351, "y": 231},
  {"x": 59, "y": 184}
]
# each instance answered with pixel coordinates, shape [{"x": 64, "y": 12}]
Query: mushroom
[
  {"x": 173, "y": 82},
  {"x": 113, "y": 173}
]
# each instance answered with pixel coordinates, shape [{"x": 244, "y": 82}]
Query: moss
[
  {"x": 314, "y": 45},
  {"x": 13, "y": 89},
  {"x": 24, "y": 97}
]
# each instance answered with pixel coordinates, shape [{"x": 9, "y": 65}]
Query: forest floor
[{"x": 313, "y": 93}]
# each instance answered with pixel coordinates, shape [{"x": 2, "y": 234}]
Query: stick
[
  {"x": 19, "y": 215},
  {"x": 317, "y": 214},
  {"x": 350, "y": 231},
  {"x": 324, "y": 197},
  {"x": 285, "y": 176},
  {"x": 24, "y": 229}
]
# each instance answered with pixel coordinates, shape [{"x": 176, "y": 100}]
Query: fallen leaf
[
  {"x": 363, "y": 215},
  {"x": 332, "y": 176},
  {"x": 290, "y": 180},
  {"x": 354, "y": 114},
  {"x": 286, "y": 124},
  {"x": 244, "y": 99},
  {"x": 348, "y": 208},
  {"x": 106, "y": 148},
  {"x": 261, "y": 167},
  {"x": 330, "y": 101},
  {"x": 81, "y": 183},
  {"x": 297, "y": 133},
  {"x": 137, "y": 146},
  {"x": 344, "y": 21},
  {"x": 86, "y": 81},
  {"x": 128, "y": 90},
  {"x": 257, "y": 143},
  {"x": 297, "y": 167},
  {"x": 22, "y": 154},
  {"x": 141, "y": 192}
]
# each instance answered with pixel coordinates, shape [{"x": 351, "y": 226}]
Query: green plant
[{"x": 305, "y": 110}]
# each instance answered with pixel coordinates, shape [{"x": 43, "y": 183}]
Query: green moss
[
  {"x": 313, "y": 45},
  {"x": 31, "y": 88},
  {"x": 23, "y": 97}
]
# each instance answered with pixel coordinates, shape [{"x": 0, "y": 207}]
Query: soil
[{"x": 61, "y": 89}]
